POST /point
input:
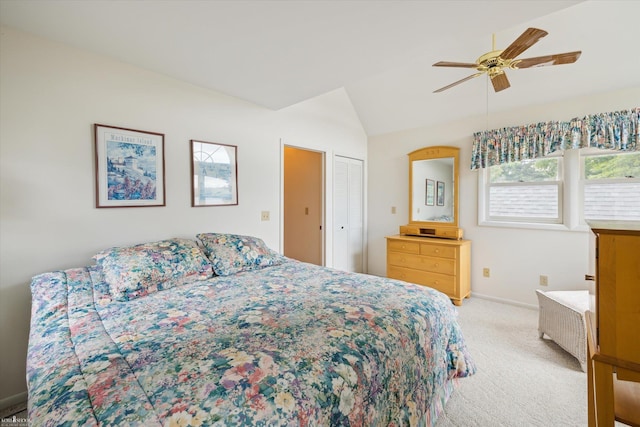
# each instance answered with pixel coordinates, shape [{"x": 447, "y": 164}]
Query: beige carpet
[{"x": 522, "y": 380}]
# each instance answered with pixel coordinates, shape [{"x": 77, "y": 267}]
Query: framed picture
[
  {"x": 440, "y": 194},
  {"x": 430, "y": 194},
  {"x": 129, "y": 167},
  {"x": 214, "y": 174}
]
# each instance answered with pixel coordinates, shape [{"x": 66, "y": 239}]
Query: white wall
[
  {"x": 51, "y": 95},
  {"x": 516, "y": 257}
]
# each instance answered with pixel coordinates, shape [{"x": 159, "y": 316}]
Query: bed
[{"x": 223, "y": 331}]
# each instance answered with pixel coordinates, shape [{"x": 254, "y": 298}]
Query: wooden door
[{"x": 304, "y": 205}]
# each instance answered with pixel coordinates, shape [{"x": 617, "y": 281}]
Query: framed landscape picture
[
  {"x": 129, "y": 167},
  {"x": 214, "y": 174}
]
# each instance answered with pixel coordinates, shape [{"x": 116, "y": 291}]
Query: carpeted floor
[{"x": 522, "y": 380}]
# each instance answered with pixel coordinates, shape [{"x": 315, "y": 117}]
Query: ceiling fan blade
[
  {"x": 455, "y": 64},
  {"x": 500, "y": 82},
  {"x": 522, "y": 43},
  {"x": 541, "y": 61},
  {"x": 458, "y": 82}
]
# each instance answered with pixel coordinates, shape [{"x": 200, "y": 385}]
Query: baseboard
[
  {"x": 12, "y": 404},
  {"x": 505, "y": 301}
]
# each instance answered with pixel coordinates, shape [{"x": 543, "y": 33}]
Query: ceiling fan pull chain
[{"x": 487, "y": 116}]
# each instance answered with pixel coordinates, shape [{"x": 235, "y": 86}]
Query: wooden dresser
[
  {"x": 438, "y": 263},
  {"x": 613, "y": 325}
]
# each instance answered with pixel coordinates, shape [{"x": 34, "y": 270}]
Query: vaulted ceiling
[{"x": 279, "y": 53}]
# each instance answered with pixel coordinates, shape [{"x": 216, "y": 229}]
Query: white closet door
[{"x": 348, "y": 208}]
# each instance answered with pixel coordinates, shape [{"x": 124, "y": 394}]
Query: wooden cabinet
[
  {"x": 613, "y": 324},
  {"x": 438, "y": 263}
]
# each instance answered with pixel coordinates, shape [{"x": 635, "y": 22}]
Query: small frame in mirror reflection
[
  {"x": 440, "y": 194},
  {"x": 214, "y": 172},
  {"x": 430, "y": 192}
]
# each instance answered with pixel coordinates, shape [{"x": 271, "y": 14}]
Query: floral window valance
[{"x": 619, "y": 130}]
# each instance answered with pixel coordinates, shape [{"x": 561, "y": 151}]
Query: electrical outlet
[
  {"x": 264, "y": 215},
  {"x": 544, "y": 280},
  {"x": 393, "y": 209},
  {"x": 486, "y": 272}
]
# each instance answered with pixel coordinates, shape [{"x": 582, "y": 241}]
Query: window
[
  {"x": 611, "y": 186},
  {"x": 527, "y": 191},
  {"x": 561, "y": 193}
]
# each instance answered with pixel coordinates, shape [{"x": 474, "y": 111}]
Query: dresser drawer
[
  {"x": 404, "y": 246},
  {"x": 424, "y": 263},
  {"x": 433, "y": 249},
  {"x": 441, "y": 282},
  {"x": 438, "y": 263}
]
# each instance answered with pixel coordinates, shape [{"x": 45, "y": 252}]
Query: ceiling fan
[{"x": 495, "y": 63}]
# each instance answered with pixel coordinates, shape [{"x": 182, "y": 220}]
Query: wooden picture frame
[
  {"x": 214, "y": 174},
  {"x": 129, "y": 167},
  {"x": 430, "y": 192},
  {"x": 440, "y": 194}
]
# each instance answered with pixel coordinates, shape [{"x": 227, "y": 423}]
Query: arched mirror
[{"x": 433, "y": 193}]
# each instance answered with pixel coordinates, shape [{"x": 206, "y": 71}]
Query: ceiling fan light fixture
[{"x": 495, "y": 62}]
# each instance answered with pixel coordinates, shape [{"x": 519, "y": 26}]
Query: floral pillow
[
  {"x": 139, "y": 270},
  {"x": 232, "y": 253}
]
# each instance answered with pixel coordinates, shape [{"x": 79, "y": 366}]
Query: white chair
[{"x": 562, "y": 319}]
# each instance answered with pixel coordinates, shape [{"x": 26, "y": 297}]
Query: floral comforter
[{"x": 293, "y": 344}]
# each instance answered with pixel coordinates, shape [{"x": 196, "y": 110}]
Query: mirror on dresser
[
  {"x": 429, "y": 250},
  {"x": 433, "y": 193}
]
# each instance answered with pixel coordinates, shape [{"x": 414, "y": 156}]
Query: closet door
[{"x": 348, "y": 193}]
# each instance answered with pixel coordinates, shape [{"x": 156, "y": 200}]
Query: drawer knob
[
  {"x": 402, "y": 259},
  {"x": 403, "y": 247},
  {"x": 436, "y": 264},
  {"x": 437, "y": 251},
  {"x": 435, "y": 283}
]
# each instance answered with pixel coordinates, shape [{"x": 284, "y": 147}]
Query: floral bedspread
[{"x": 293, "y": 344}]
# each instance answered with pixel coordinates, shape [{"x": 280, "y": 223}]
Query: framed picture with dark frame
[
  {"x": 440, "y": 194},
  {"x": 214, "y": 174},
  {"x": 129, "y": 167},
  {"x": 430, "y": 192}
]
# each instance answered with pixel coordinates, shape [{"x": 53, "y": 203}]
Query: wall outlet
[
  {"x": 265, "y": 215},
  {"x": 544, "y": 280},
  {"x": 486, "y": 272},
  {"x": 393, "y": 209}
]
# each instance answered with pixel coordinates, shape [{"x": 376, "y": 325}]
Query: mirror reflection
[{"x": 433, "y": 190}]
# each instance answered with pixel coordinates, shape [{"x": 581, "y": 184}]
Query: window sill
[{"x": 534, "y": 226}]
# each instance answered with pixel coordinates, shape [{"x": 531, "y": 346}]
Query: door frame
[{"x": 323, "y": 197}]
